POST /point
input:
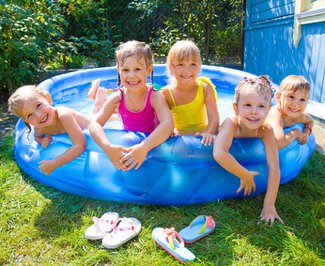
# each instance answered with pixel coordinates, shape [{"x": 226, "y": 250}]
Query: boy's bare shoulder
[
  {"x": 274, "y": 114},
  {"x": 65, "y": 111},
  {"x": 165, "y": 90}
]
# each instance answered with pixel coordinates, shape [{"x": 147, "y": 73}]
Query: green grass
[{"x": 41, "y": 225}]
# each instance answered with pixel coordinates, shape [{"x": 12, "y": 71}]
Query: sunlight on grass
[{"x": 41, "y": 225}]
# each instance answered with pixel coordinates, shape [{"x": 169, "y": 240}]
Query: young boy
[{"x": 291, "y": 102}]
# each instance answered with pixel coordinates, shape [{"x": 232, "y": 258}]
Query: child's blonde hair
[
  {"x": 261, "y": 85},
  {"x": 182, "y": 50},
  {"x": 21, "y": 96},
  {"x": 294, "y": 83},
  {"x": 134, "y": 49}
]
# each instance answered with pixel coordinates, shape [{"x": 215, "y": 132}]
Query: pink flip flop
[
  {"x": 173, "y": 243},
  {"x": 124, "y": 230},
  {"x": 200, "y": 227},
  {"x": 102, "y": 226}
]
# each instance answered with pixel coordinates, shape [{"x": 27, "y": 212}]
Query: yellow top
[{"x": 191, "y": 117}]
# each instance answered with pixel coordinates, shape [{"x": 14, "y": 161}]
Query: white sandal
[
  {"x": 124, "y": 230},
  {"x": 102, "y": 226}
]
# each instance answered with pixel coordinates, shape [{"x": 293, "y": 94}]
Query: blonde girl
[
  {"x": 251, "y": 105},
  {"x": 291, "y": 102},
  {"x": 139, "y": 106},
  {"x": 192, "y": 100},
  {"x": 34, "y": 106}
]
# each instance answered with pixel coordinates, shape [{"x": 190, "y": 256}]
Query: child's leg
[
  {"x": 100, "y": 98},
  {"x": 93, "y": 89}
]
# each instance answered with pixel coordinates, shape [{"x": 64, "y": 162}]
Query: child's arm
[
  {"x": 138, "y": 153},
  {"x": 308, "y": 122},
  {"x": 77, "y": 137},
  {"x": 113, "y": 152},
  {"x": 212, "y": 113},
  {"x": 283, "y": 139},
  {"x": 221, "y": 154},
  {"x": 269, "y": 213},
  {"x": 41, "y": 138}
]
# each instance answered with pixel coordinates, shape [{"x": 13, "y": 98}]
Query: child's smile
[
  {"x": 38, "y": 112},
  {"x": 134, "y": 73},
  {"x": 252, "y": 110},
  {"x": 294, "y": 103}
]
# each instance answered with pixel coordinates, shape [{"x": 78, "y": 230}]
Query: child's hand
[
  {"x": 135, "y": 156},
  {"x": 269, "y": 214},
  {"x": 115, "y": 154},
  {"x": 247, "y": 183},
  {"x": 207, "y": 138},
  {"x": 47, "y": 166},
  {"x": 46, "y": 140},
  {"x": 302, "y": 138}
]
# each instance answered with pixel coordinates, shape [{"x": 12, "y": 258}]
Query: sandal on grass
[
  {"x": 200, "y": 227},
  {"x": 173, "y": 243},
  {"x": 124, "y": 230},
  {"x": 102, "y": 226}
]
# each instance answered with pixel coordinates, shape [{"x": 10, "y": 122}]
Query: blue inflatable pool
[{"x": 178, "y": 172}]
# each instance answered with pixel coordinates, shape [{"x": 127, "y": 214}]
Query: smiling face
[
  {"x": 183, "y": 62},
  {"x": 293, "y": 95},
  {"x": 186, "y": 71},
  {"x": 134, "y": 72},
  {"x": 251, "y": 109},
  {"x": 38, "y": 112},
  {"x": 292, "y": 103}
]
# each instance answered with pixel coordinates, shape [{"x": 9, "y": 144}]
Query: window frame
[{"x": 307, "y": 12}]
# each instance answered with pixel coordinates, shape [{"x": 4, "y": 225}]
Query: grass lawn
[{"x": 41, "y": 225}]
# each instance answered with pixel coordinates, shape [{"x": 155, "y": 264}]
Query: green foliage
[
  {"x": 35, "y": 35},
  {"x": 72, "y": 62},
  {"x": 40, "y": 225},
  {"x": 214, "y": 25},
  {"x": 27, "y": 32}
]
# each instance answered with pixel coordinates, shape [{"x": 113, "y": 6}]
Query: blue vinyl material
[{"x": 178, "y": 172}]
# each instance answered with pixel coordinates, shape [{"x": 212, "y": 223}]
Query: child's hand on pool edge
[
  {"x": 207, "y": 138},
  {"x": 46, "y": 140},
  {"x": 135, "y": 156},
  {"x": 115, "y": 154}
]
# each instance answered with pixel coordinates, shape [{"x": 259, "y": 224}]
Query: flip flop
[
  {"x": 200, "y": 227},
  {"x": 124, "y": 230},
  {"x": 173, "y": 243},
  {"x": 102, "y": 226}
]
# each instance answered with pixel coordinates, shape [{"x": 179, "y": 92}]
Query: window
[{"x": 306, "y": 12}]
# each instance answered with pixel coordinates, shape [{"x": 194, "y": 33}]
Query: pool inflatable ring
[{"x": 178, "y": 172}]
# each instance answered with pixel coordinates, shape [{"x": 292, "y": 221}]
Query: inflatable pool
[{"x": 178, "y": 172}]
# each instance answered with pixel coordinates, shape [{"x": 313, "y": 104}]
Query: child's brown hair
[{"x": 294, "y": 83}]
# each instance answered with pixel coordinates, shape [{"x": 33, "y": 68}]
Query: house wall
[{"x": 269, "y": 47}]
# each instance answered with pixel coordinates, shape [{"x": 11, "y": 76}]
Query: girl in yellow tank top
[{"x": 191, "y": 99}]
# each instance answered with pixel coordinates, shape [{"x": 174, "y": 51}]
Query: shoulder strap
[
  {"x": 171, "y": 96},
  {"x": 208, "y": 81}
]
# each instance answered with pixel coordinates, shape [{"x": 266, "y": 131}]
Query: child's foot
[
  {"x": 92, "y": 92},
  {"x": 100, "y": 99}
]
